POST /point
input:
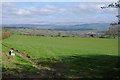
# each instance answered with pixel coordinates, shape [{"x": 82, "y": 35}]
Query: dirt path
[
  {"x": 27, "y": 57},
  {"x": 44, "y": 71}
]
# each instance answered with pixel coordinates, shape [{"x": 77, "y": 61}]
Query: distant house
[{"x": 91, "y": 34}]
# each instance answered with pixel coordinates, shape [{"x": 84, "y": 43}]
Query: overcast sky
[{"x": 33, "y": 12}]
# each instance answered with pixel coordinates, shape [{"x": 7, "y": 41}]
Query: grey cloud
[
  {"x": 92, "y": 8},
  {"x": 11, "y": 11},
  {"x": 74, "y": 12}
]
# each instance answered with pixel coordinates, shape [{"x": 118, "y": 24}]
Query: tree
[{"x": 59, "y": 34}]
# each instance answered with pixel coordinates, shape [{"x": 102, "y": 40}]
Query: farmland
[
  {"x": 47, "y": 32},
  {"x": 68, "y": 57}
]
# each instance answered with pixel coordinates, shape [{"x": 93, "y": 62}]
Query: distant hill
[{"x": 63, "y": 27}]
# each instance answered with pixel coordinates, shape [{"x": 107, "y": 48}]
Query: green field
[
  {"x": 46, "y": 47},
  {"x": 69, "y": 56}
]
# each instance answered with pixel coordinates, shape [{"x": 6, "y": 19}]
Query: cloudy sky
[{"x": 34, "y": 12}]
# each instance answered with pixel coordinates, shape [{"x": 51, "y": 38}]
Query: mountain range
[{"x": 60, "y": 26}]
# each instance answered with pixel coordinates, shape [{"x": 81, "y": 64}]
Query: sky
[{"x": 52, "y": 12}]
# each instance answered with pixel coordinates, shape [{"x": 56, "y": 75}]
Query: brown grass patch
[{"x": 5, "y": 35}]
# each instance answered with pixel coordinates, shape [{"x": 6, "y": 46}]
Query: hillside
[
  {"x": 60, "y": 57},
  {"x": 61, "y": 27}
]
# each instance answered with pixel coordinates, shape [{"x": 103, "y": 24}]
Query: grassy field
[{"x": 69, "y": 56}]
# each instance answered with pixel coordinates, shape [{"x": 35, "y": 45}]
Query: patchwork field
[
  {"x": 47, "y": 32},
  {"x": 69, "y": 57}
]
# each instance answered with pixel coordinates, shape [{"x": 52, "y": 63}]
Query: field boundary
[{"x": 25, "y": 56}]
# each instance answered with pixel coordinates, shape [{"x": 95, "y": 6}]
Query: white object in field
[{"x": 12, "y": 52}]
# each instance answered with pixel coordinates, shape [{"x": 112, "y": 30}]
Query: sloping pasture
[{"x": 71, "y": 57}]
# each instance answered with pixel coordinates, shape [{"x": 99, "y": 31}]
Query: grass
[
  {"x": 15, "y": 66},
  {"x": 69, "y": 56},
  {"x": 46, "y": 47}
]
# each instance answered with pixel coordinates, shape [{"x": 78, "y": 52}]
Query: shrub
[{"x": 6, "y": 34}]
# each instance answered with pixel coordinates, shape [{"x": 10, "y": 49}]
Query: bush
[{"x": 6, "y": 34}]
